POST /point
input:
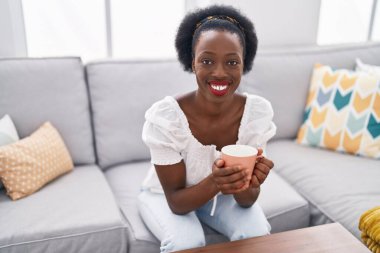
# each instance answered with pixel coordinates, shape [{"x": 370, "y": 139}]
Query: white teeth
[{"x": 219, "y": 87}]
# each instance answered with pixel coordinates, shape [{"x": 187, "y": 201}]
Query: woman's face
[{"x": 218, "y": 64}]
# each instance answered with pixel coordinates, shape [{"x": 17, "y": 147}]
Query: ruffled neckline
[{"x": 183, "y": 119}]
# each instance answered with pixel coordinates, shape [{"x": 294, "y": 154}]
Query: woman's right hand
[{"x": 229, "y": 180}]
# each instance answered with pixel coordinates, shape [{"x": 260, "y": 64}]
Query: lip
[
  {"x": 222, "y": 82},
  {"x": 216, "y": 92}
]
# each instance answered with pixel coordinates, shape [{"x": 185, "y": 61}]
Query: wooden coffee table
[{"x": 325, "y": 238}]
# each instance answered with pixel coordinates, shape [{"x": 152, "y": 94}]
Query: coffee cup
[{"x": 242, "y": 155}]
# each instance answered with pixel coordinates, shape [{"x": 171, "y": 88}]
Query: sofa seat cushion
[
  {"x": 75, "y": 213},
  {"x": 340, "y": 186},
  {"x": 284, "y": 207},
  {"x": 125, "y": 181}
]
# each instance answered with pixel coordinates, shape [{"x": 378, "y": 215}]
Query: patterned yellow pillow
[
  {"x": 30, "y": 163},
  {"x": 343, "y": 112}
]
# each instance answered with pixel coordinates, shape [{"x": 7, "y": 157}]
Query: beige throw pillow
[{"x": 29, "y": 164}]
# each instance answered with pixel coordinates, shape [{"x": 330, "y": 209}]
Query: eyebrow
[{"x": 209, "y": 52}]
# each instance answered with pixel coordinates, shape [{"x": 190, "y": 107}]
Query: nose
[{"x": 219, "y": 71}]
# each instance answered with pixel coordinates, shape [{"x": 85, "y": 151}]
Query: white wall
[
  {"x": 12, "y": 35},
  {"x": 279, "y": 22}
]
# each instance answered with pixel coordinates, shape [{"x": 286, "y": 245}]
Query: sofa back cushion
[
  {"x": 121, "y": 92},
  {"x": 35, "y": 90},
  {"x": 283, "y": 77}
]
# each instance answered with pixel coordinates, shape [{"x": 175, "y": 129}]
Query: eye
[
  {"x": 207, "y": 62},
  {"x": 233, "y": 63}
]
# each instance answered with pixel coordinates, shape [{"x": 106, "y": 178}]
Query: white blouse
[{"x": 167, "y": 134}]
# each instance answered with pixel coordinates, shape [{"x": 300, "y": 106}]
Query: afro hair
[{"x": 194, "y": 23}]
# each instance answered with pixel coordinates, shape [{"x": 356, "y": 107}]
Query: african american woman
[{"x": 188, "y": 182}]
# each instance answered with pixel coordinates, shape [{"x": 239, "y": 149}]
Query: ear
[{"x": 193, "y": 66}]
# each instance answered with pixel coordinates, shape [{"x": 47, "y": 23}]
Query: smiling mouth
[{"x": 218, "y": 88}]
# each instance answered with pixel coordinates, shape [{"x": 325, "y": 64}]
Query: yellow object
[
  {"x": 28, "y": 164},
  {"x": 361, "y": 103},
  {"x": 369, "y": 224}
]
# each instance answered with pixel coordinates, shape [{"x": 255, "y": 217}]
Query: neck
[{"x": 210, "y": 108}]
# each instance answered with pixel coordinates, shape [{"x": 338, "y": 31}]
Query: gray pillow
[{"x": 8, "y": 133}]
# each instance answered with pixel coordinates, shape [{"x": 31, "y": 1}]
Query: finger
[
  {"x": 261, "y": 176},
  {"x": 259, "y": 152},
  {"x": 263, "y": 168},
  {"x": 266, "y": 161},
  {"x": 233, "y": 186},
  {"x": 243, "y": 188},
  {"x": 242, "y": 175},
  {"x": 226, "y": 171},
  {"x": 219, "y": 163},
  {"x": 254, "y": 182}
]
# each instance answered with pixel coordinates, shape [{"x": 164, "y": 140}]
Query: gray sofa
[{"x": 99, "y": 110}]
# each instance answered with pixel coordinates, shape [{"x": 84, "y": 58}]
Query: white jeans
[{"x": 179, "y": 232}]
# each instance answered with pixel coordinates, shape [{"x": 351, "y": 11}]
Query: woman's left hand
[{"x": 260, "y": 172}]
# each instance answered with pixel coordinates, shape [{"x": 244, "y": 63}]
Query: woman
[{"x": 189, "y": 182}]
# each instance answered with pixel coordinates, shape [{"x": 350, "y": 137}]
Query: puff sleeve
[
  {"x": 258, "y": 127},
  {"x": 164, "y": 133}
]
